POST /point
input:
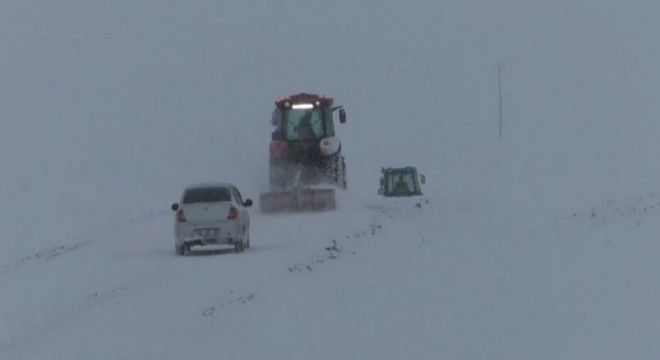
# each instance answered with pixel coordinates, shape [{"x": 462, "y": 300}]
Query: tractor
[
  {"x": 401, "y": 182},
  {"x": 304, "y": 153}
]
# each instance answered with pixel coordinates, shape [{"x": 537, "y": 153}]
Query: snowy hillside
[{"x": 538, "y": 245}]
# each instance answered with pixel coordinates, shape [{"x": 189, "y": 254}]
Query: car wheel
[
  {"x": 239, "y": 246},
  {"x": 247, "y": 236},
  {"x": 179, "y": 250}
]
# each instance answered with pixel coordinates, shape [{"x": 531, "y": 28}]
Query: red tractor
[{"x": 304, "y": 152}]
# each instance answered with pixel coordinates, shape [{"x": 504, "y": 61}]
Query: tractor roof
[
  {"x": 401, "y": 169},
  {"x": 304, "y": 98}
]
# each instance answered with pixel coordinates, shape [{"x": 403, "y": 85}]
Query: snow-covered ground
[{"x": 539, "y": 245}]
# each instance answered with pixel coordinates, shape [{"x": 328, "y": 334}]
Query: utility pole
[{"x": 499, "y": 94}]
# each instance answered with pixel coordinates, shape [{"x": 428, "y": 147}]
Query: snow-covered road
[{"x": 379, "y": 279}]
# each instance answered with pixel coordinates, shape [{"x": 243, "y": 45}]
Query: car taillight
[
  {"x": 233, "y": 213},
  {"x": 180, "y": 216}
]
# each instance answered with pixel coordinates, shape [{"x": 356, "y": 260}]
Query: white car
[{"x": 211, "y": 214}]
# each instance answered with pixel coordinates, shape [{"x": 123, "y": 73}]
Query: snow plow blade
[{"x": 297, "y": 201}]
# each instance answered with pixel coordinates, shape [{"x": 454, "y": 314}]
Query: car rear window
[{"x": 207, "y": 194}]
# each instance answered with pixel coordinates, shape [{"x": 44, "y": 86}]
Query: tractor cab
[
  {"x": 305, "y": 118},
  {"x": 401, "y": 182}
]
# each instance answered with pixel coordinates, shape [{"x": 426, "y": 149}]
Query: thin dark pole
[{"x": 499, "y": 94}]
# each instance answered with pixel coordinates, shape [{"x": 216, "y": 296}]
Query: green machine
[{"x": 401, "y": 182}]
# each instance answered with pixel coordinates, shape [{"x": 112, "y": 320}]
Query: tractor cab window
[
  {"x": 329, "y": 123},
  {"x": 401, "y": 183},
  {"x": 304, "y": 124}
]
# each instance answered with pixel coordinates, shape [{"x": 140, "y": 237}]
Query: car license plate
[{"x": 209, "y": 232}]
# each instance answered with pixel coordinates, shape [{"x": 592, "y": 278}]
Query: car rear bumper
[
  {"x": 227, "y": 233},
  {"x": 201, "y": 242}
]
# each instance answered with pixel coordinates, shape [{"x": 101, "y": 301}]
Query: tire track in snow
[
  {"x": 47, "y": 254},
  {"x": 633, "y": 208},
  {"x": 67, "y": 314},
  {"x": 52, "y": 252},
  {"x": 382, "y": 213}
]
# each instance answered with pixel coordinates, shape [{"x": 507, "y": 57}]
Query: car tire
[
  {"x": 247, "y": 236},
  {"x": 179, "y": 250},
  {"x": 239, "y": 246}
]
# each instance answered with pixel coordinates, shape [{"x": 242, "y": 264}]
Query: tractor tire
[
  {"x": 179, "y": 250},
  {"x": 343, "y": 174}
]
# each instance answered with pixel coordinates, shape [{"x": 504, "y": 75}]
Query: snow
[{"x": 538, "y": 245}]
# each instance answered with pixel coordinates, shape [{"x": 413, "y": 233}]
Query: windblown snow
[{"x": 540, "y": 244}]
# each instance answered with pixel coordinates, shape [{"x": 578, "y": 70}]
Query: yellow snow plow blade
[{"x": 297, "y": 201}]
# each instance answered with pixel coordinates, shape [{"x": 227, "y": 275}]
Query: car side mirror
[
  {"x": 342, "y": 116},
  {"x": 247, "y": 203},
  {"x": 175, "y": 207},
  {"x": 422, "y": 178}
]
